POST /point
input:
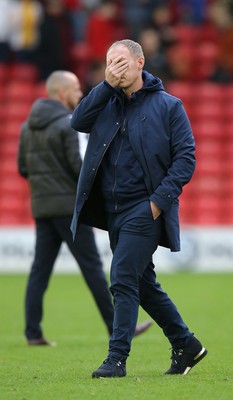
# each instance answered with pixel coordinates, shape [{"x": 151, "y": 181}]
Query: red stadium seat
[
  {"x": 228, "y": 113},
  {"x": 20, "y": 91},
  {"x": 180, "y": 57},
  {"x": 80, "y": 53},
  {"x": 2, "y": 92},
  {"x": 9, "y": 148},
  {"x": 9, "y": 218},
  {"x": 207, "y": 218},
  {"x": 17, "y": 111},
  {"x": 203, "y": 210},
  {"x": 228, "y": 150},
  {"x": 23, "y": 72},
  {"x": 27, "y": 220},
  {"x": 9, "y": 166},
  {"x": 206, "y": 200},
  {"x": 208, "y": 185},
  {"x": 227, "y": 210},
  {"x": 208, "y": 32},
  {"x": 208, "y": 91},
  {"x": 210, "y": 167},
  {"x": 228, "y": 93},
  {"x": 227, "y": 130},
  {"x": 10, "y": 130},
  {"x": 183, "y": 90},
  {"x": 14, "y": 185},
  {"x": 81, "y": 57},
  {"x": 186, "y": 33},
  {"x": 208, "y": 210},
  {"x": 40, "y": 90},
  {"x": 4, "y": 69},
  {"x": 205, "y": 56},
  {"x": 208, "y": 129},
  {"x": 210, "y": 149},
  {"x": 10, "y": 202},
  {"x": 208, "y": 110},
  {"x": 228, "y": 167}
]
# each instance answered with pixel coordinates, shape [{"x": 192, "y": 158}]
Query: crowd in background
[
  {"x": 74, "y": 34},
  {"x": 187, "y": 43}
]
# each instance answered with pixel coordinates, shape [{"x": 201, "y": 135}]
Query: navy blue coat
[{"x": 161, "y": 138}]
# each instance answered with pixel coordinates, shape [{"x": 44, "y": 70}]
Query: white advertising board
[{"x": 203, "y": 250}]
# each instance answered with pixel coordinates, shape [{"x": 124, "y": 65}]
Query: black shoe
[
  {"x": 110, "y": 368},
  {"x": 185, "y": 358}
]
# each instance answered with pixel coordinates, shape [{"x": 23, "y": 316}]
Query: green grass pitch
[{"x": 72, "y": 320}]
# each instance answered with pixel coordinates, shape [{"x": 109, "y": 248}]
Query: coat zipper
[
  {"x": 115, "y": 167},
  {"x": 97, "y": 167}
]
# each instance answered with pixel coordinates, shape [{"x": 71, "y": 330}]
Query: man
[
  {"x": 140, "y": 153},
  {"x": 49, "y": 158}
]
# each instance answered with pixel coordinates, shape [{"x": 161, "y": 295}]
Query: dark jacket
[
  {"x": 161, "y": 138},
  {"x": 49, "y": 158}
]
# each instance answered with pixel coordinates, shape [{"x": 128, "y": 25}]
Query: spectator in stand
[
  {"x": 103, "y": 28},
  {"x": 161, "y": 21},
  {"x": 5, "y": 9},
  {"x": 25, "y": 17},
  {"x": 176, "y": 60},
  {"x": 180, "y": 63},
  {"x": 79, "y": 11},
  {"x": 155, "y": 57},
  {"x": 189, "y": 11},
  {"x": 94, "y": 75},
  {"x": 78, "y": 15},
  {"x": 221, "y": 15},
  {"x": 49, "y": 157},
  {"x": 137, "y": 14},
  {"x": 54, "y": 51}
]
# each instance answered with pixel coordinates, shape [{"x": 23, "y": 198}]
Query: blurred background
[{"x": 187, "y": 43}]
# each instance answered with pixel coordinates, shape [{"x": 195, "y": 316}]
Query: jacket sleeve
[
  {"x": 182, "y": 148},
  {"x": 86, "y": 113},
  {"x": 22, "y": 151}
]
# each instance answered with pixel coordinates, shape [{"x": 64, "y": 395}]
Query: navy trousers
[
  {"x": 50, "y": 233},
  {"x": 134, "y": 237}
]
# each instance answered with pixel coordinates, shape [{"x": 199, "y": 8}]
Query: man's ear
[{"x": 141, "y": 62}]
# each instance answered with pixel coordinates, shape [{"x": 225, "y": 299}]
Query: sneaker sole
[
  {"x": 107, "y": 377},
  {"x": 196, "y": 360},
  {"x": 102, "y": 376}
]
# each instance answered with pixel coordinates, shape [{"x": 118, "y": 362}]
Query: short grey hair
[{"x": 133, "y": 47}]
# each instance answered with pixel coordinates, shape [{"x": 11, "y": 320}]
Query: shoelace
[
  {"x": 175, "y": 355},
  {"x": 118, "y": 363}
]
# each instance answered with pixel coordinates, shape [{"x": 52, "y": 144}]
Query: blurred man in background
[{"x": 50, "y": 159}]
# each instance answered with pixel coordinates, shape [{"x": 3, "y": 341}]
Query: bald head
[
  {"x": 64, "y": 86},
  {"x": 58, "y": 80}
]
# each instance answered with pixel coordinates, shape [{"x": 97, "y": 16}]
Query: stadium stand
[{"x": 208, "y": 199}]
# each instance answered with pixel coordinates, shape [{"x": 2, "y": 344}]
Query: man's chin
[{"x": 122, "y": 85}]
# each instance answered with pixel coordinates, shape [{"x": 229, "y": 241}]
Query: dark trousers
[
  {"x": 50, "y": 233},
  {"x": 134, "y": 237}
]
